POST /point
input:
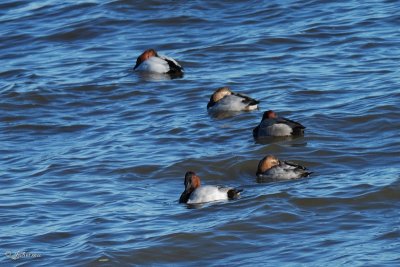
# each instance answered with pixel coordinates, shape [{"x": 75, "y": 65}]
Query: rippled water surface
[{"x": 93, "y": 155}]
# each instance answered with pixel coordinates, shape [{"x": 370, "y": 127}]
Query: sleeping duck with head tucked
[
  {"x": 151, "y": 61},
  {"x": 225, "y": 100},
  {"x": 272, "y": 125},
  {"x": 271, "y": 168}
]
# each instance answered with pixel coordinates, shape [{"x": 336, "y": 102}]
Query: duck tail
[
  {"x": 298, "y": 130},
  {"x": 247, "y": 100},
  {"x": 174, "y": 68},
  {"x": 234, "y": 193},
  {"x": 252, "y": 102}
]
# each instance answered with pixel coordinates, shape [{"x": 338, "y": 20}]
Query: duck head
[
  {"x": 192, "y": 181},
  {"x": 267, "y": 163},
  {"x": 144, "y": 56},
  {"x": 269, "y": 115},
  {"x": 218, "y": 95}
]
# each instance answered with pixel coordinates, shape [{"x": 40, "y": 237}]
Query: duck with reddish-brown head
[
  {"x": 151, "y": 61},
  {"x": 196, "y": 194},
  {"x": 225, "y": 100},
  {"x": 272, "y": 125},
  {"x": 271, "y": 168}
]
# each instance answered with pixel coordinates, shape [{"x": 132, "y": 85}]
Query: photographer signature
[{"x": 21, "y": 254}]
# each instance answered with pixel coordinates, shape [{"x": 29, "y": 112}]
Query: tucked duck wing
[
  {"x": 298, "y": 129},
  {"x": 300, "y": 170},
  {"x": 246, "y": 99},
  {"x": 291, "y": 165},
  {"x": 174, "y": 67},
  {"x": 290, "y": 122}
]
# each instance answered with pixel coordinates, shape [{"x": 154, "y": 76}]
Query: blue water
[{"x": 93, "y": 154}]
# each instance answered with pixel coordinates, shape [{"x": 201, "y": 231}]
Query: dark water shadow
[
  {"x": 223, "y": 114},
  {"x": 209, "y": 204},
  {"x": 281, "y": 139},
  {"x": 266, "y": 180},
  {"x": 194, "y": 206}
]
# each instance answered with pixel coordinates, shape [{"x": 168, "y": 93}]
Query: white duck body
[
  {"x": 208, "y": 193},
  {"x": 157, "y": 64},
  {"x": 150, "y": 61},
  {"x": 272, "y": 168},
  {"x": 285, "y": 171},
  {"x": 233, "y": 103},
  {"x": 224, "y": 100},
  {"x": 271, "y": 127},
  {"x": 194, "y": 193}
]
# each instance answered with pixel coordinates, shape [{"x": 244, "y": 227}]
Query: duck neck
[{"x": 185, "y": 196}]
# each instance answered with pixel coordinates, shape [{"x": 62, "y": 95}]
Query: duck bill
[{"x": 188, "y": 188}]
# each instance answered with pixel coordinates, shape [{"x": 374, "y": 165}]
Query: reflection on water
[
  {"x": 217, "y": 114},
  {"x": 300, "y": 140}
]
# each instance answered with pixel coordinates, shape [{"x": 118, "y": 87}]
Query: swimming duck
[
  {"x": 151, "y": 61},
  {"x": 223, "y": 99},
  {"x": 270, "y": 167},
  {"x": 194, "y": 193},
  {"x": 272, "y": 125}
]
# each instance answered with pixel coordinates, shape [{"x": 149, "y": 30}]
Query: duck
[
  {"x": 223, "y": 99},
  {"x": 196, "y": 194},
  {"x": 272, "y": 125},
  {"x": 151, "y": 61},
  {"x": 270, "y": 167}
]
